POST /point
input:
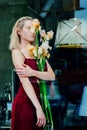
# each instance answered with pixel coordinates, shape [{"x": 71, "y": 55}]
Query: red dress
[{"x": 23, "y": 111}]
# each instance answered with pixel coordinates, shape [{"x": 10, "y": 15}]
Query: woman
[{"x": 27, "y": 113}]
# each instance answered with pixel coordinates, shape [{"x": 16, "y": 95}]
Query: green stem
[
  {"x": 46, "y": 104},
  {"x": 43, "y": 91},
  {"x": 37, "y": 33}
]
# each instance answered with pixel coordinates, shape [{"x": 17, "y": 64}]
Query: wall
[{"x": 9, "y": 12}]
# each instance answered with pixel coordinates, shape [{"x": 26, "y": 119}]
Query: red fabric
[{"x": 23, "y": 111}]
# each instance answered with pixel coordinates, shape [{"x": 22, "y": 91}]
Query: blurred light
[
  {"x": 83, "y": 106},
  {"x": 72, "y": 31}
]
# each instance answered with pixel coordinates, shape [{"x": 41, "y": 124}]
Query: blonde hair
[{"x": 15, "y": 38}]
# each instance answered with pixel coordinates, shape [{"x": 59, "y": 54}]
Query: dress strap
[{"x": 23, "y": 54}]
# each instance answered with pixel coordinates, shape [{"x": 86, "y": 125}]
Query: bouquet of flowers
[{"x": 41, "y": 52}]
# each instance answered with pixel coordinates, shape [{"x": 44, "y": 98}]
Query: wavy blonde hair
[{"x": 15, "y": 38}]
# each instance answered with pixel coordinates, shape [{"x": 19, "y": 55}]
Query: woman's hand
[
  {"x": 41, "y": 120},
  {"x": 24, "y": 71}
]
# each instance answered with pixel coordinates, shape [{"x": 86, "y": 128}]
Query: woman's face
[{"x": 26, "y": 34}]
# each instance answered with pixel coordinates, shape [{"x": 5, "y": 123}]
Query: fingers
[
  {"x": 21, "y": 71},
  {"x": 21, "y": 67},
  {"x": 41, "y": 122},
  {"x": 24, "y": 65}
]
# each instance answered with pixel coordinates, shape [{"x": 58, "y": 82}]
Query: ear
[{"x": 18, "y": 32}]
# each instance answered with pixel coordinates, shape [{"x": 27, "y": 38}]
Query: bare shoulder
[
  {"x": 16, "y": 52},
  {"x": 17, "y": 57}
]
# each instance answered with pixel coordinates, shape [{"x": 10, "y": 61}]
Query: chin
[{"x": 32, "y": 40}]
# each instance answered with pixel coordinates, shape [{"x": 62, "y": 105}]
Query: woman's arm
[
  {"x": 26, "y": 71},
  {"x": 46, "y": 75},
  {"x": 18, "y": 60}
]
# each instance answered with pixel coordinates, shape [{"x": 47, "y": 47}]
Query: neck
[
  {"x": 25, "y": 50},
  {"x": 24, "y": 44}
]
